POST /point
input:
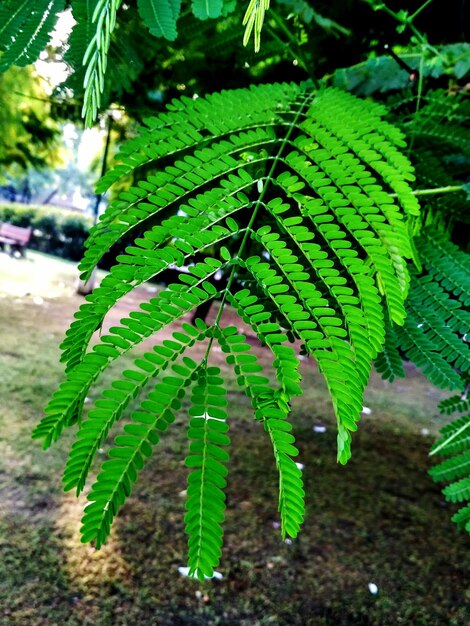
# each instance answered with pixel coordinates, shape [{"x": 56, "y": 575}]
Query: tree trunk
[
  {"x": 202, "y": 311},
  {"x": 84, "y": 288}
]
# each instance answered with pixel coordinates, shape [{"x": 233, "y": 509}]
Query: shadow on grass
[{"x": 379, "y": 520}]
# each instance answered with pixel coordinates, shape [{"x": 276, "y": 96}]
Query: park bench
[{"x": 14, "y": 236}]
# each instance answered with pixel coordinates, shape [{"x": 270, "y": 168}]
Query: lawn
[{"x": 379, "y": 520}]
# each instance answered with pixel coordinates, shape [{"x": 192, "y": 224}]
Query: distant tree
[{"x": 29, "y": 134}]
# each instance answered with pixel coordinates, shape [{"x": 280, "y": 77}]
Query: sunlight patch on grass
[
  {"x": 85, "y": 566},
  {"x": 37, "y": 275}
]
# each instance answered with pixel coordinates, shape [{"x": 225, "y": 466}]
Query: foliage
[
  {"x": 455, "y": 444},
  {"x": 55, "y": 231},
  {"x": 294, "y": 29},
  {"x": 253, "y": 21},
  {"x": 101, "y": 24},
  {"x": 436, "y": 330},
  {"x": 382, "y": 74},
  {"x": 437, "y": 320},
  {"x": 160, "y": 17},
  {"x": 143, "y": 50},
  {"x": 26, "y": 29},
  {"x": 29, "y": 135},
  {"x": 439, "y": 133},
  {"x": 435, "y": 338},
  {"x": 314, "y": 281}
]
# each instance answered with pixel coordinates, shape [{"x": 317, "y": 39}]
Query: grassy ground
[{"x": 379, "y": 520}]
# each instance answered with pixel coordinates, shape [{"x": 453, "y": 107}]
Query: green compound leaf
[
  {"x": 435, "y": 331},
  {"x": 272, "y": 407},
  {"x": 293, "y": 207},
  {"x": 25, "y": 29},
  {"x": 455, "y": 469},
  {"x": 207, "y": 457},
  {"x": 127, "y": 457},
  {"x": 253, "y": 21},
  {"x": 160, "y": 16},
  {"x": 115, "y": 399},
  {"x": 205, "y": 9},
  {"x": 103, "y": 21}
]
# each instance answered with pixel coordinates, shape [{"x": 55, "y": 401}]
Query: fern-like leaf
[
  {"x": 453, "y": 404},
  {"x": 127, "y": 457},
  {"x": 115, "y": 399},
  {"x": 204, "y": 232},
  {"x": 253, "y": 21},
  {"x": 95, "y": 58},
  {"x": 64, "y": 407},
  {"x": 389, "y": 362},
  {"x": 160, "y": 16},
  {"x": 455, "y": 444},
  {"x": 273, "y": 188},
  {"x": 328, "y": 310},
  {"x": 205, "y": 9},
  {"x": 448, "y": 265},
  {"x": 458, "y": 491},
  {"x": 205, "y": 503},
  {"x": 420, "y": 349},
  {"x": 456, "y": 467},
  {"x": 26, "y": 30},
  {"x": 462, "y": 517},
  {"x": 455, "y": 437},
  {"x": 272, "y": 408},
  {"x": 434, "y": 335}
]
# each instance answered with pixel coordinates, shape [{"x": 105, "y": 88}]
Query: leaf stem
[
  {"x": 296, "y": 52},
  {"x": 418, "y": 11},
  {"x": 435, "y": 191},
  {"x": 446, "y": 442}
]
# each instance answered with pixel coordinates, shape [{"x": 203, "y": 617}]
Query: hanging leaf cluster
[
  {"x": 454, "y": 445},
  {"x": 436, "y": 332},
  {"x": 303, "y": 180}
]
